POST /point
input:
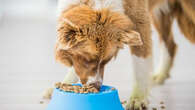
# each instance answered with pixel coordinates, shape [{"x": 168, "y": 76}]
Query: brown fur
[
  {"x": 163, "y": 23},
  {"x": 88, "y": 39},
  {"x": 188, "y": 7},
  {"x": 93, "y": 37},
  {"x": 154, "y": 3},
  {"x": 137, "y": 11},
  {"x": 64, "y": 57},
  {"x": 183, "y": 11},
  {"x": 93, "y": 40},
  {"x": 187, "y": 27},
  {"x": 186, "y": 19}
]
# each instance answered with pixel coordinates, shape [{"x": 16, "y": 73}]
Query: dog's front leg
[
  {"x": 142, "y": 72},
  {"x": 143, "y": 68},
  {"x": 71, "y": 77},
  {"x": 141, "y": 55}
]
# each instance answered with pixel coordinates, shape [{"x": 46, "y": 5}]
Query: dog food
[
  {"x": 143, "y": 107},
  {"x": 154, "y": 108},
  {"x": 162, "y": 107},
  {"x": 161, "y": 102},
  {"x": 113, "y": 89},
  {"x": 76, "y": 88},
  {"x": 41, "y": 102},
  {"x": 123, "y": 102}
]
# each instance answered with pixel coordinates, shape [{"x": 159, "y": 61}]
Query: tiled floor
[{"x": 27, "y": 65}]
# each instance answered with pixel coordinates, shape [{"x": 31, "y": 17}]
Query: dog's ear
[
  {"x": 63, "y": 56},
  {"x": 122, "y": 25},
  {"x": 131, "y": 38},
  {"x": 68, "y": 34}
]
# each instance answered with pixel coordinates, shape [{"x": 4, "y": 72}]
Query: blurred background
[{"x": 28, "y": 67}]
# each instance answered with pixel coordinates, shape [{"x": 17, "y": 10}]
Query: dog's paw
[
  {"x": 48, "y": 93},
  {"x": 136, "y": 103},
  {"x": 138, "y": 100},
  {"x": 160, "y": 78}
]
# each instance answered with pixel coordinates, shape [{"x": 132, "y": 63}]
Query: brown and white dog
[{"x": 91, "y": 32}]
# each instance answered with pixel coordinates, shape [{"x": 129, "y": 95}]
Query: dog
[{"x": 91, "y": 32}]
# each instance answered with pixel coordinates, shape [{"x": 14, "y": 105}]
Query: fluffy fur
[
  {"x": 186, "y": 19},
  {"x": 90, "y": 37},
  {"x": 183, "y": 11},
  {"x": 90, "y": 33}
]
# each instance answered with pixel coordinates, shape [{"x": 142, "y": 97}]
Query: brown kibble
[
  {"x": 58, "y": 84},
  {"x": 95, "y": 91},
  {"x": 161, "y": 102},
  {"x": 85, "y": 92},
  {"x": 113, "y": 88},
  {"x": 76, "y": 89},
  {"x": 90, "y": 86},
  {"x": 124, "y": 102},
  {"x": 61, "y": 86},
  {"x": 84, "y": 86},
  {"x": 81, "y": 90},
  {"x": 162, "y": 107},
  {"x": 154, "y": 108},
  {"x": 41, "y": 102},
  {"x": 143, "y": 106}
]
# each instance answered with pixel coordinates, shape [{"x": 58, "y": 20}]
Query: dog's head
[{"x": 92, "y": 38}]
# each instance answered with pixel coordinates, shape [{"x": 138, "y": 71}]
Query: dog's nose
[{"x": 97, "y": 85}]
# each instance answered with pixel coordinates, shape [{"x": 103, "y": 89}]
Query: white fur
[
  {"x": 142, "y": 70},
  {"x": 71, "y": 76},
  {"x": 64, "y": 4},
  {"x": 114, "y": 5},
  {"x": 60, "y": 47},
  {"x": 96, "y": 78},
  {"x": 165, "y": 59},
  {"x": 48, "y": 93},
  {"x": 163, "y": 7}
]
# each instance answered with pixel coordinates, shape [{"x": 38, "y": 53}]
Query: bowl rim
[{"x": 107, "y": 90}]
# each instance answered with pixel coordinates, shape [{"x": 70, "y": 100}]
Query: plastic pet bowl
[{"x": 106, "y": 99}]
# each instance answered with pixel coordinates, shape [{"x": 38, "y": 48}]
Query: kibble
[
  {"x": 143, "y": 106},
  {"x": 161, "y": 102},
  {"x": 154, "y": 108},
  {"x": 41, "y": 102},
  {"x": 123, "y": 102},
  {"x": 162, "y": 107},
  {"x": 113, "y": 88},
  {"x": 76, "y": 88}
]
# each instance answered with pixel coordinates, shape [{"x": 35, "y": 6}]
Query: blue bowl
[{"x": 106, "y": 99}]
